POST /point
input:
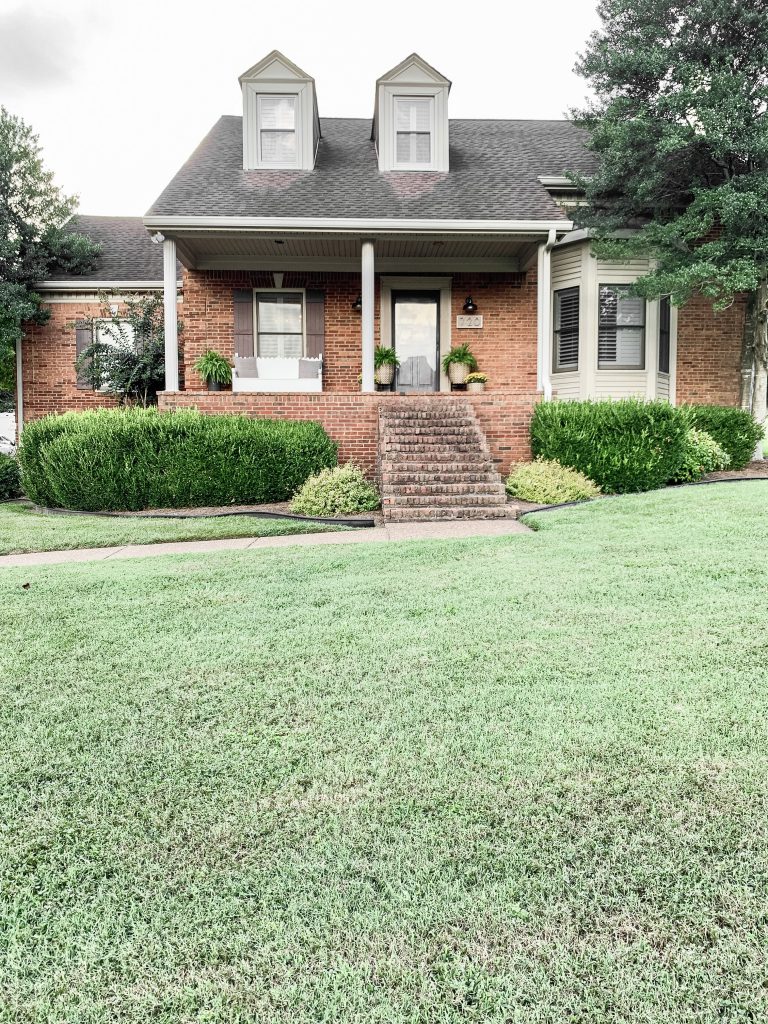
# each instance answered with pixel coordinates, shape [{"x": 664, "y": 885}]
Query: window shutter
[
  {"x": 315, "y": 323},
  {"x": 567, "y": 329},
  {"x": 243, "y": 305},
  {"x": 83, "y": 340}
]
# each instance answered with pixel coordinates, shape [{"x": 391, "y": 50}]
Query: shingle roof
[
  {"x": 493, "y": 176},
  {"x": 127, "y": 251}
]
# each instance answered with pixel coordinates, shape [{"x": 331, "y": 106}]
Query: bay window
[
  {"x": 621, "y": 329},
  {"x": 566, "y": 330}
]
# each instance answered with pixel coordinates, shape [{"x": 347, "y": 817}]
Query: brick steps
[{"x": 434, "y": 463}]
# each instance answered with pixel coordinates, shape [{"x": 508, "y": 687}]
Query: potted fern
[
  {"x": 476, "y": 382},
  {"x": 458, "y": 363},
  {"x": 215, "y": 370},
  {"x": 385, "y": 362}
]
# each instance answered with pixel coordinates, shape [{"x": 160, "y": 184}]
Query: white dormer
[
  {"x": 281, "y": 127},
  {"x": 410, "y": 121}
]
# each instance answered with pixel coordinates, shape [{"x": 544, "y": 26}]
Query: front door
[{"x": 416, "y": 339}]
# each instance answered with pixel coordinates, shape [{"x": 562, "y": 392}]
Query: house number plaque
[{"x": 473, "y": 320}]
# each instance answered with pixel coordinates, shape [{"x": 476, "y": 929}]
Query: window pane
[
  {"x": 621, "y": 331},
  {"x": 278, "y": 147},
  {"x": 664, "y": 330},
  {"x": 107, "y": 332},
  {"x": 566, "y": 329},
  {"x": 278, "y": 112},
  {"x": 283, "y": 346},
  {"x": 413, "y": 114},
  {"x": 413, "y": 148},
  {"x": 280, "y": 314}
]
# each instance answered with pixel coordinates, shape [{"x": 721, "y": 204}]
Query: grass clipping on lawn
[{"x": 507, "y": 780}]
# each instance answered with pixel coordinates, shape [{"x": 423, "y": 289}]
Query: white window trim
[
  {"x": 619, "y": 368},
  {"x": 110, "y": 342},
  {"x": 296, "y": 126},
  {"x": 409, "y": 166},
  {"x": 252, "y": 128},
  {"x": 278, "y": 291},
  {"x": 387, "y": 137}
]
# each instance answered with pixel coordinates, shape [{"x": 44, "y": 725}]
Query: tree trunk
[{"x": 760, "y": 388}]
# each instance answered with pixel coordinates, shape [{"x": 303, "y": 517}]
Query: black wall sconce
[
  {"x": 357, "y": 305},
  {"x": 469, "y": 306}
]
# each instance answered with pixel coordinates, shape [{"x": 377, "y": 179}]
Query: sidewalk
[{"x": 381, "y": 534}]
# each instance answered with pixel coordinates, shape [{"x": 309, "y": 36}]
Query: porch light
[
  {"x": 469, "y": 306},
  {"x": 357, "y": 305}
]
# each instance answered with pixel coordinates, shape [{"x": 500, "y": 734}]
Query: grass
[
  {"x": 508, "y": 780},
  {"x": 22, "y": 529}
]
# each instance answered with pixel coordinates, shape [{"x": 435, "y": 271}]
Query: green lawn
[
  {"x": 22, "y": 529},
  {"x": 510, "y": 780}
]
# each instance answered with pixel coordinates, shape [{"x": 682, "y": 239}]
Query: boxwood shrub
[
  {"x": 10, "y": 484},
  {"x": 624, "y": 445},
  {"x": 141, "y": 458},
  {"x": 336, "y": 492},
  {"x": 548, "y": 483},
  {"x": 702, "y": 455},
  {"x": 734, "y": 430}
]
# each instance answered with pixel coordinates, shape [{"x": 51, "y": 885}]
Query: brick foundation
[{"x": 352, "y": 418}]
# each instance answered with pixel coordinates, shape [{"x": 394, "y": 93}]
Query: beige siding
[
  {"x": 620, "y": 383},
  {"x": 566, "y": 266},
  {"x": 566, "y": 385},
  {"x": 662, "y": 386}
]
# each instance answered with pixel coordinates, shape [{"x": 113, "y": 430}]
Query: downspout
[
  {"x": 19, "y": 391},
  {"x": 544, "y": 308}
]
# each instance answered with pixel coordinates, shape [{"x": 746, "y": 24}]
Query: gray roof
[
  {"x": 494, "y": 167},
  {"x": 127, "y": 251}
]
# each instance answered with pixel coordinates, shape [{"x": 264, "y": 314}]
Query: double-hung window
[
  {"x": 277, "y": 130},
  {"x": 665, "y": 310},
  {"x": 621, "y": 329},
  {"x": 414, "y": 127},
  {"x": 279, "y": 325},
  {"x": 566, "y": 330}
]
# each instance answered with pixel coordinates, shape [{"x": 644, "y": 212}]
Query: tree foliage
[
  {"x": 679, "y": 127},
  {"x": 34, "y": 241},
  {"x": 127, "y": 357}
]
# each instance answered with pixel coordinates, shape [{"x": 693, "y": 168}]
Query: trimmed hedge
[
  {"x": 734, "y": 430},
  {"x": 132, "y": 459},
  {"x": 625, "y": 445},
  {"x": 10, "y": 482},
  {"x": 548, "y": 483}
]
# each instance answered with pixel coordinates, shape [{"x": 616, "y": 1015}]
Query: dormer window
[
  {"x": 410, "y": 124},
  {"x": 414, "y": 126},
  {"x": 281, "y": 127},
  {"x": 277, "y": 130}
]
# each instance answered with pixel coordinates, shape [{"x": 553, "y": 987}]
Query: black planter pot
[{"x": 214, "y": 385}]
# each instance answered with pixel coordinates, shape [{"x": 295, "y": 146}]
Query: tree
[
  {"x": 679, "y": 127},
  {"x": 127, "y": 357},
  {"x": 34, "y": 241}
]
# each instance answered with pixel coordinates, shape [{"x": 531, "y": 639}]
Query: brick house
[{"x": 293, "y": 245}]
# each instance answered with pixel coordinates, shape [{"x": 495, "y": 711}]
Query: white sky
[{"x": 120, "y": 93}]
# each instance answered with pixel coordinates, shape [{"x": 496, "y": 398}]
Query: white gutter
[
  {"x": 90, "y": 286},
  {"x": 355, "y": 225},
  {"x": 544, "y": 307},
  {"x": 19, "y": 390}
]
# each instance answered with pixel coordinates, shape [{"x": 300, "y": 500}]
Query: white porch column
[
  {"x": 367, "y": 293},
  {"x": 171, "y": 321}
]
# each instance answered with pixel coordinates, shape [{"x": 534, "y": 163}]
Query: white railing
[{"x": 271, "y": 373}]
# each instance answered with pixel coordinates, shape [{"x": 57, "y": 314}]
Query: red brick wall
[
  {"x": 505, "y": 346},
  {"x": 351, "y": 419},
  {"x": 48, "y": 363},
  {"x": 709, "y": 353}
]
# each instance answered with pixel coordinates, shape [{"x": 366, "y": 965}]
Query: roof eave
[{"x": 357, "y": 226}]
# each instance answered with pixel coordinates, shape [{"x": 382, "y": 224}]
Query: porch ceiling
[{"x": 327, "y": 251}]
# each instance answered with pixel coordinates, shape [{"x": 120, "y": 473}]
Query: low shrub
[
  {"x": 733, "y": 429},
  {"x": 130, "y": 459},
  {"x": 548, "y": 483},
  {"x": 702, "y": 454},
  {"x": 10, "y": 480},
  {"x": 624, "y": 445},
  {"x": 336, "y": 492}
]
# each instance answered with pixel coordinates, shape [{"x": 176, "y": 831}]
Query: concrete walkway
[{"x": 380, "y": 534}]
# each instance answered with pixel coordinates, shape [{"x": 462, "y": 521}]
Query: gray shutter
[
  {"x": 83, "y": 340},
  {"x": 315, "y": 323},
  {"x": 243, "y": 304}
]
